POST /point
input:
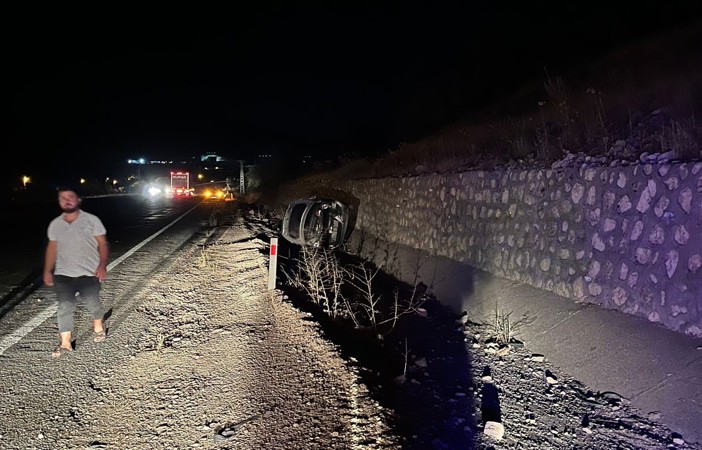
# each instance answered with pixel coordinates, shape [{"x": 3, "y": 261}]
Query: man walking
[{"x": 75, "y": 264}]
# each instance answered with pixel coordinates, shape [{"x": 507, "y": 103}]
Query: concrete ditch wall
[{"x": 625, "y": 238}]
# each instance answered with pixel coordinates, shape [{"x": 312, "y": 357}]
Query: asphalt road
[
  {"x": 129, "y": 219},
  {"x": 138, "y": 228}
]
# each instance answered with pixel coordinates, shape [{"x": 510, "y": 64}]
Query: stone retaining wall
[{"x": 626, "y": 238}]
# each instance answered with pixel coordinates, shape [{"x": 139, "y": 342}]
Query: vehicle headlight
[{"x": 154, "y": 191}]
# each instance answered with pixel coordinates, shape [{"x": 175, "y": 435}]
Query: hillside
[{"x": 640, "y": 102}]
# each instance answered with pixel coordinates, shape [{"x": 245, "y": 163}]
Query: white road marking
[{"x": 14, "y": 337}]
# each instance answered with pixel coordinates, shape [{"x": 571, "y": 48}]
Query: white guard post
[{"x": 273, "y": 264}]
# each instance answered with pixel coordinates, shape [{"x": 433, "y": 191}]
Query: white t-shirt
[{"x": 77, "y": 249}]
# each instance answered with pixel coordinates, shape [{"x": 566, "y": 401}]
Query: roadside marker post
[{"x": 273, "y": 264}]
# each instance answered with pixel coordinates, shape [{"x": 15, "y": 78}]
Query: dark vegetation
[{"x": 389, "y": 338}]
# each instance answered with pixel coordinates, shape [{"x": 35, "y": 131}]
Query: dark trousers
[{"x": 68, "y": 291}]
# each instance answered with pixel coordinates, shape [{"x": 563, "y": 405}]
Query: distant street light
[{"x": 25, "y": 180}]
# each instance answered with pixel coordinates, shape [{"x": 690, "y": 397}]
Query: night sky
[{"x": 114, "y": 82}]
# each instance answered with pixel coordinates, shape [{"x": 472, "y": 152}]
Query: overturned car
[{"x": 315, "y": 222}]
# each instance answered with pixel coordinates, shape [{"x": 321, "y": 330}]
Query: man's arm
[
  {"x": 49, "y": 263},
  {"x": 104, "y": 251}
]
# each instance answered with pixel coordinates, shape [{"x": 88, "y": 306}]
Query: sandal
[
  {"x": 100, "y": 336},
  {"x": 59, "y": 351}
]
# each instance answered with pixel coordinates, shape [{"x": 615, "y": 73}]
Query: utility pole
[{"x": 242, "y": 185}]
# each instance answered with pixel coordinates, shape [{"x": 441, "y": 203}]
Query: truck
[{"x": 180, "y": 185}]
